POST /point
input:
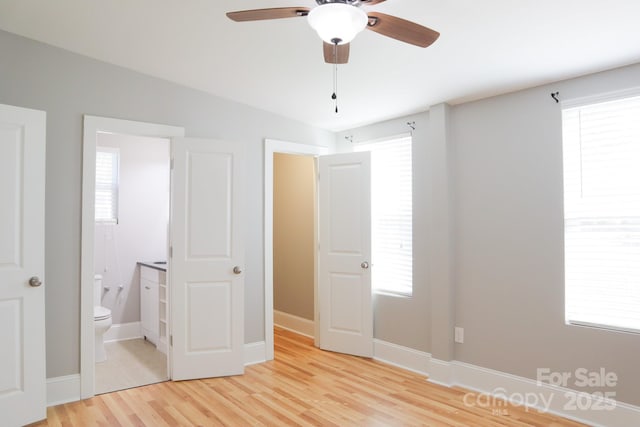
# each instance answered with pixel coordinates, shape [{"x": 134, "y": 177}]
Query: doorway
[
  {"x": 130, "y": 254},
  {"x": 93, "y": 128},
  {"x": 349, "y": 199},
  {"x": 271, "y": 148},
  {"x": 294, "y": 241}
]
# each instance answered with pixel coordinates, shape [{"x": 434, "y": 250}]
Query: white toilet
[{"x": 101, "y": 319}]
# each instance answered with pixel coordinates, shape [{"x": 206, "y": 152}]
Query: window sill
[
  {"x": 607, "y": 328},
  {"x": 393, "y": 294}
]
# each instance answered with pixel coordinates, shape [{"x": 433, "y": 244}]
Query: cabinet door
[
  {"x": 145, "y": 289},
  {"x": 149, "y": 302}
]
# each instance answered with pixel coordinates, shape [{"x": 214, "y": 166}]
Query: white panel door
[
  {"x": 22, "y": 339},
  {"x": 206, "y": 279},
  {"x": 344, "y": 282}
]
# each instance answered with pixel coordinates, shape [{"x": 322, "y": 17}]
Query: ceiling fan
[{"x": 337, "y": 22}]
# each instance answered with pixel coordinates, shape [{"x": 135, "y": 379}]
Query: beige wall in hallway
[{"x": 294, "y": 188}]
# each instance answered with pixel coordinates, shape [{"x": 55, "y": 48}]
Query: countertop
[{"x": 158, "y": 265}]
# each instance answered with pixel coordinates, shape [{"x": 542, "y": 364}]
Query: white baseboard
[
  {"x": 63, "y": 389},
  {"x": 561, "y": 401},
  {"x": 254, "y": 352},
  {"x": 123, "y": 331},
  {"x": 294, "y": 323},
  {"x": 403, "y": 357},
  {"x": 441, "y": 372}
]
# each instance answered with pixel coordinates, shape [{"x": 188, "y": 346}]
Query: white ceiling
[{"x": 486, "y": 47}]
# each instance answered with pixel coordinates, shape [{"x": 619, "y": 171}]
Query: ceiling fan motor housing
[
  {"x": 337, "y": 22},
  {"x": 351, "y": 2}
]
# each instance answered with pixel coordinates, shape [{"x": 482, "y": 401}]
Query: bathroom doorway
[
  {"x": 121, "y": 275},
  {"x": 130, "y": 254}
]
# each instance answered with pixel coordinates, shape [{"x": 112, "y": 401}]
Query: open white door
[
  {"x": 206, "y": 279},
  {"x": 22, "y": 339},
  {"x": 344, "y": 282}
]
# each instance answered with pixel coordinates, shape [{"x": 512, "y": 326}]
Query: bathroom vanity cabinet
[{"x": 153, "y": 304}]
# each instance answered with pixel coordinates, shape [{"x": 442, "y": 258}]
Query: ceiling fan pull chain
[
  {"x": 335, "y": 86},
  {"x": 335, "y": 72}
]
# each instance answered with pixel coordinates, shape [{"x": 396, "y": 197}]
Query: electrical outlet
[{"x": 458, "y": 335}]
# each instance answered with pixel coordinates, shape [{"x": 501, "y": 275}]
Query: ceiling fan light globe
[{"x": 337, "y": 22}]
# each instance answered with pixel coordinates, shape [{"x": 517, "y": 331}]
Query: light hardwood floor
[{"x": 302, "y": 386}]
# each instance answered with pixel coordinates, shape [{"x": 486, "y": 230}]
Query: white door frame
[
  {"x": 271, "y": 147},
  {"x": 92, "y": 126}
]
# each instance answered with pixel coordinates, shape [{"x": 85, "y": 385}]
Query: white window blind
[
  {"x": 601, "y": 144},
  {"x": 107, "y": 162},
  {"x": 391, "y": 215}
]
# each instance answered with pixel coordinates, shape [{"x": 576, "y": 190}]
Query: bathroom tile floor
[{"x": 130, "y": 363}]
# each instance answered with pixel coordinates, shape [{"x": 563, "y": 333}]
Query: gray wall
[
  {"x": 509, "y": 238},
  {"x": 488, "y": 238},
  {"x": 66, "y": 86},
  {"x": 294, "y": 252}
]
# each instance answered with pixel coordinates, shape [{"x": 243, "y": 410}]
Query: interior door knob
[
  {"x": 364, "y": 265},
  {"x": 35, "y": 281},
  {"x": 237, "y": 270}
]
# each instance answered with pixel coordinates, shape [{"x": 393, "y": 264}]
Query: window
[
  {"x": 601, "y": 143},
  {"x": 107, "y": 163},
  {"x": 391, "y": 215}
]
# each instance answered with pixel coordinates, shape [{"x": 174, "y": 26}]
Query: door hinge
[
  {"x": 170, "y": 340},
  {"x": 172, "y": 162},
  {"x": 170, "y": 251}
]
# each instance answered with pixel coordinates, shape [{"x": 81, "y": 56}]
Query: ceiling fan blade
[
  {"x": 273, "y": 13},
  {"x": 371, "y": 2},
  {"x": 401, "y": 29},
  {"x": 340, "y": 57}
]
